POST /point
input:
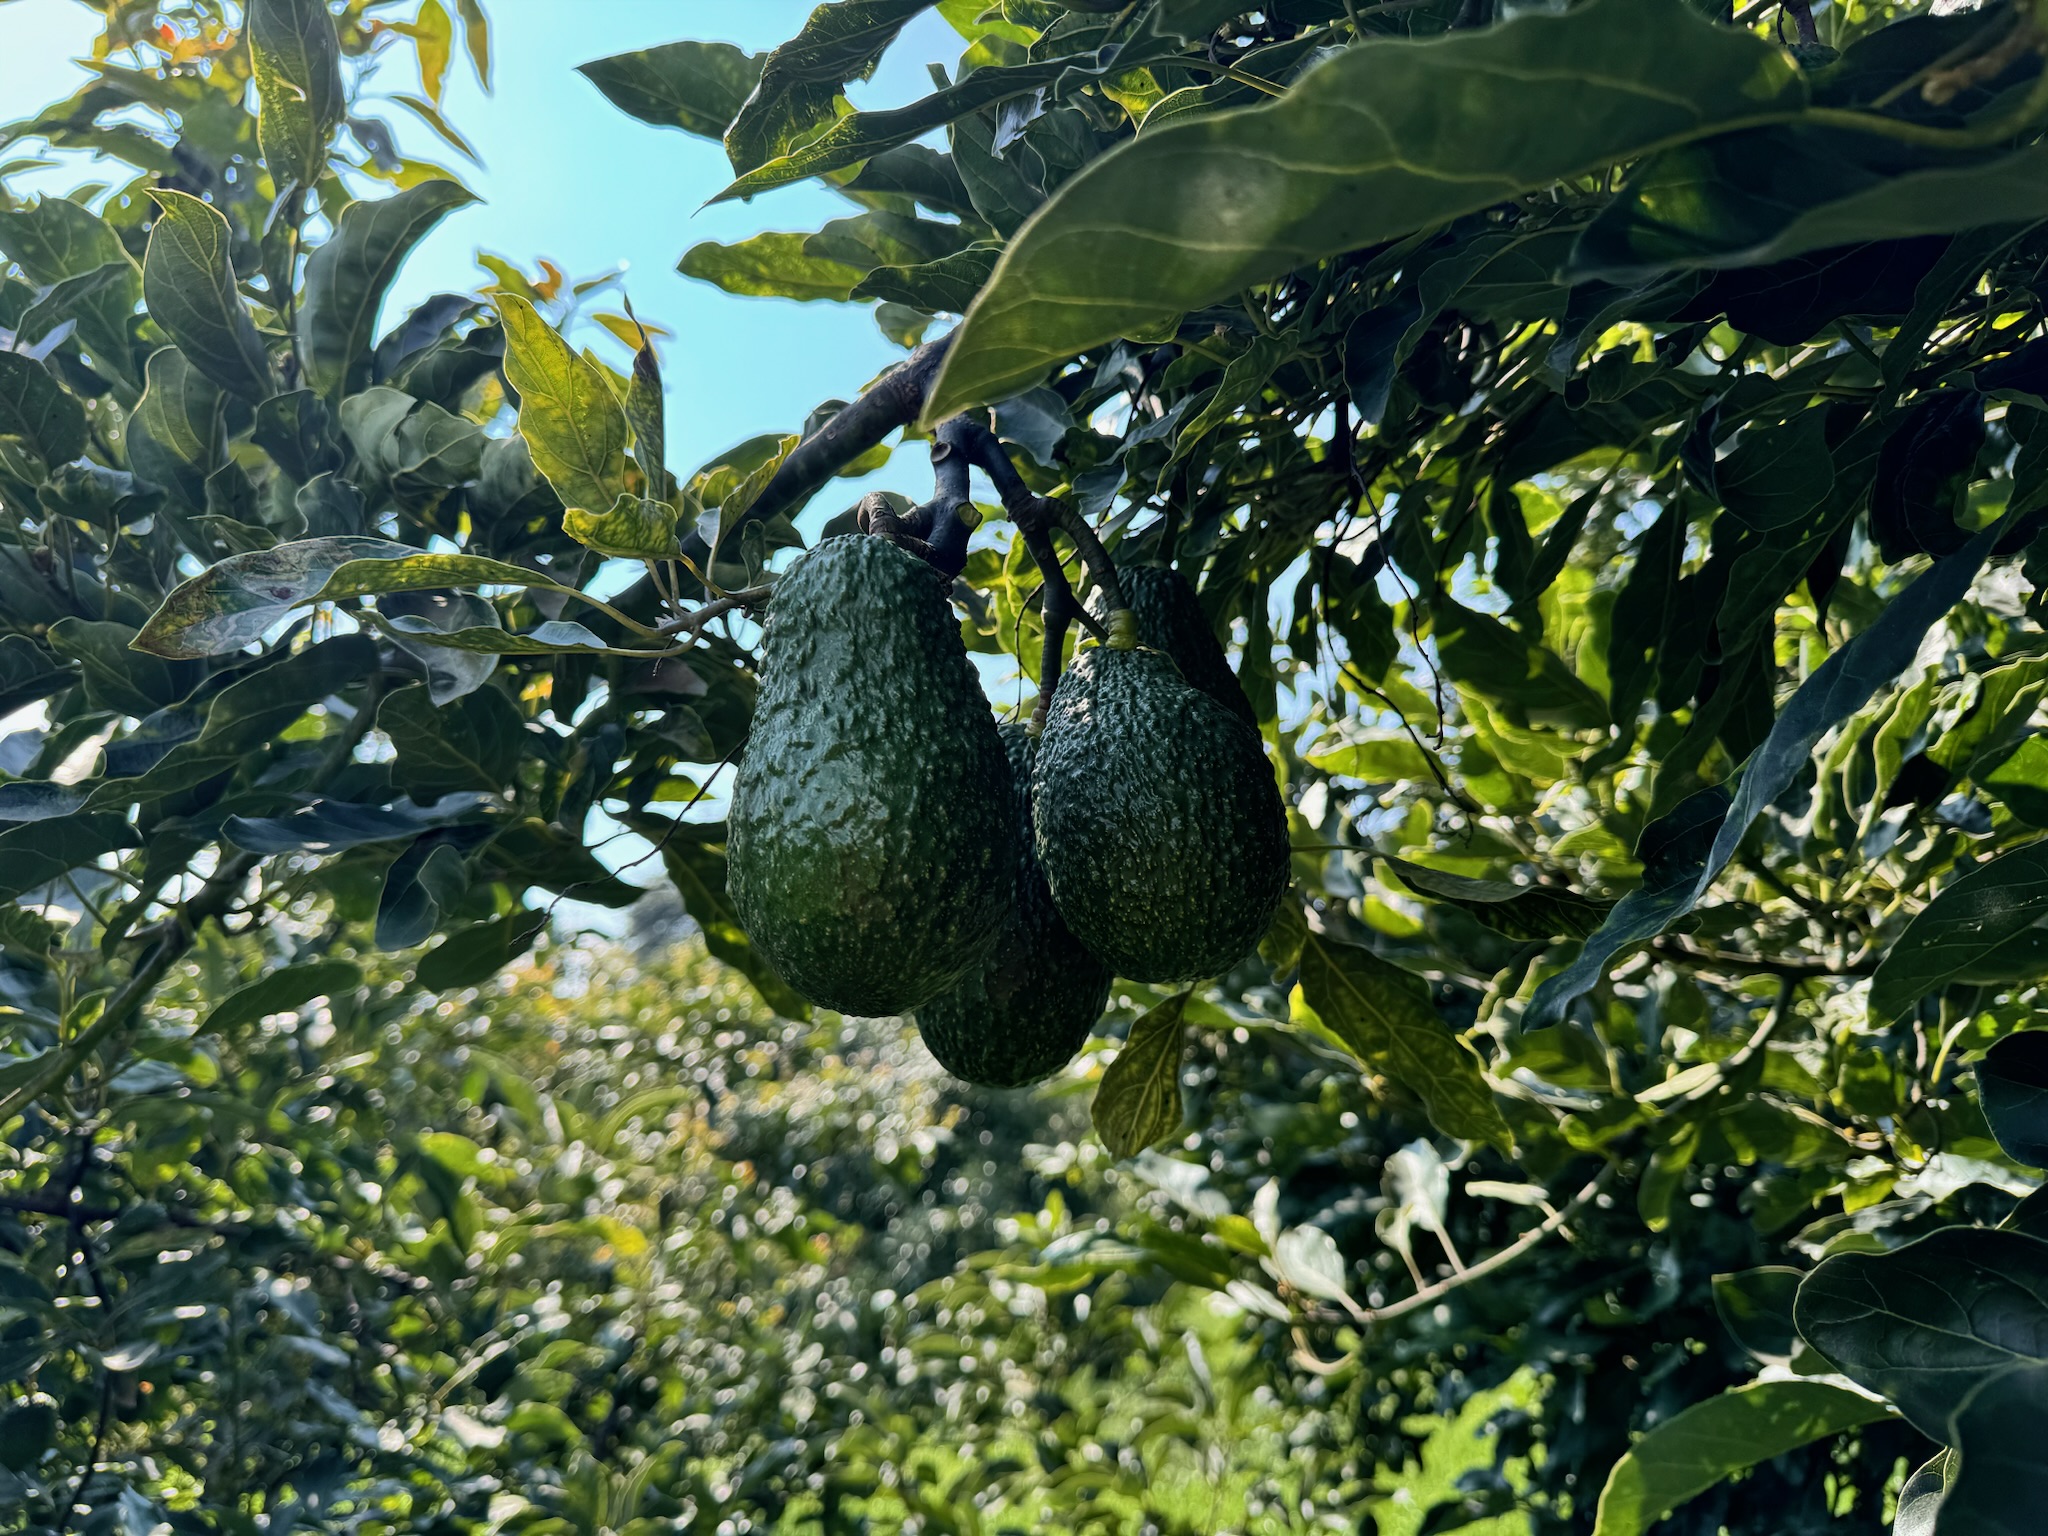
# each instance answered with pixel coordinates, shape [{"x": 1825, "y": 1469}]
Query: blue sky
[{"x": 569, "y": 177}]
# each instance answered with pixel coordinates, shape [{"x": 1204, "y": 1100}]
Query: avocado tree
[{"x": 1592, "y": 447}]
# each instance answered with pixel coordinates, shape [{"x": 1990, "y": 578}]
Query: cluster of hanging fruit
[{"x": 895, "y": 851}]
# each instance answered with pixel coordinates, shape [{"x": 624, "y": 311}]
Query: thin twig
[
  {"x": 1493, "y": 1263},
  {"x": 1685, "y": 953}
]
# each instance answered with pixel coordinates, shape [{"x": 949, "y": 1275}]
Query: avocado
[
  {"x": 1157, "y": 820},
  {"x": 1170, "y": 619},
  {"x": 1025, "y": 1013},
  {"x": 872, "y": 834}
]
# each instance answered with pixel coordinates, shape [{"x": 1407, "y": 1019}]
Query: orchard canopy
[{"x": 1609, "y": 441}]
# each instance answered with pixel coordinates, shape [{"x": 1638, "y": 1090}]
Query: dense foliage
[{"x": 1607, "y": 438}]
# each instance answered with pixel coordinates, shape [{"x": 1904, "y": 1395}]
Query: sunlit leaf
[
  {"x": 772, "y": 265},
  {"x": 1382, "y": 1015},
  {"x": 571, "y": 420},
  {"x": 1712, "y": 1440}
]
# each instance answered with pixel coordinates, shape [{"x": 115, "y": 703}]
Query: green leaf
[
  {"x": 548, "y": 639},
  {"x": 177, "y": 434},
  {"x": 1381, "y": 139},
  {"x": 1723, "y": 203},
  {"x": 297, "y": 61},
  {"x": 37, "y": 852},
  {"x": 1924, "y": 1324},
  {"x": 293, "y": 429},
  {"x": 1383, "y": 1016},
  {"x": 329, "y": 826},
  {"x": 103, "y": 302},
  {"x": 634, "y": 529},
  {"x": 1961, "y": 934},
  {"x": 28, "y": 673},
  {"x": 1243, "y": 381},
  {"x": 568, "y": 415},
  {"x": 802, "y": 79},
  {"x": 188, "y": 282},
  {"x": 374, "y": 573},
  {"x": 870, "y": 240},
  {"x": 697, "y": 87},
  {"x": 281, "y": 992},
  {"x": 34, "y": 409},
  {"x": 116, "y": 677},
  {"x": 346, "y": 278},
  {"x": 476, "y": 954},
  {"x": 948, "y": 284},
  {"x": 476, "y": 38},
  {"x": 2012, "y": 1079},
  {"x": 647, "y": 415},
  {"x": 25, "y": 933},
  {"x": 244, "y": 718},
  {"x": 1755, "y": 1306},
  {"x": 1996, "y": 1490},
  {"x": 772, "y": 265},
  {"x": 1525, "y": 912},
  {"x": 53, "y": 239},
  {"x": 423, "y": 882},
  {"x": 1777, "y": 475},
  {"x": 917, "y": 172},
  {"x": 862, "y": 135},
  {"x": 1691, "y": 1452},
  {"x": 431, "y": 115},
  {"x": 472, "y": 743},
  {"x": 1003, "y": 191},
  {"x": 451, "y": 671},
  {"x": 694, "y": 855},
  {"x": 1137, "y": 1102}
]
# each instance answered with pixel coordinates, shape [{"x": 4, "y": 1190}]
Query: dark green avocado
[
  {"x": 1170, "y": 619},
  {"x": 1158, "y": 823},
  {"x": 1025, "y": 1013},
  {"x": 872, "y": 835}
]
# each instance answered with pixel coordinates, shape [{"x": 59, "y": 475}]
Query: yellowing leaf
[
  {"x": 633, "y": 529},
  {"x": 572, "y": 423}
]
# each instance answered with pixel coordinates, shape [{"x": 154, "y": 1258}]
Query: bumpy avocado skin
[
  {"x": 1025, "y": 1013},
  {"x": 873, "y": 817},
  {"x": 1158, "y": 823},
  {"x": 1170, "y": 619}
]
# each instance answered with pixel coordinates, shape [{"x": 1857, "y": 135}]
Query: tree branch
[{"x": 896, "y": 400}]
